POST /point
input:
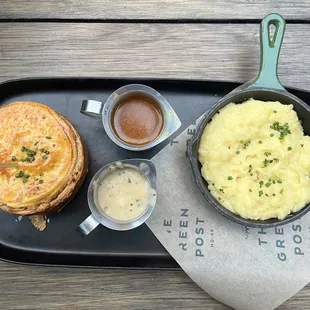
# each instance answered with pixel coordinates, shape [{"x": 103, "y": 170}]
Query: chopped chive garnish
[
  {"x": 219, "y": 198},
  {"x": 241, "y": 141},
  {"x": 265, "y": 162},
  {"x": 19, "y": 174},
  {"x": 36, "y": 143},
  {"x": 267, "y": 184},
  {"x": 41, "y": 182},
  {"x": 36, "y": 179},
  {"x": 48, "y": 137},
  {"x": 43, "y": 117},
  {"x": 250, "y": 190},
  {"x": 13, "y": 158},
  {"x": 275, "y": 111},
  {"x": 41, "y": 174},
  {"x": 238, "y": 152},
  {"x": 23, "y": 149},
  {"x": 230, "y": 178},
  {"x": 289, "y": 148},
  {"x": 23, "y": 160},
  {"x": 279, "y": 181},
  {"x": 283, "y": 130},
  {"x": 273, "y": 182},
  {"x": 271, "y": 135},
  {"x": 260, "y": 193},
  {"x": 44, "y": 157},
  {"x": 281, "y": 191},
  {"x": 273, "y": 194},
  {"x": 260, "y": 141},
  {"x": 261, "y": 183}
]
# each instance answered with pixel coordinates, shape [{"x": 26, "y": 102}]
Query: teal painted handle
[{"x": 270, "y": 50}]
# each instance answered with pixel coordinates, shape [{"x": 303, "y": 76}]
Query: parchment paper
[{"x": 245, "y": 268}]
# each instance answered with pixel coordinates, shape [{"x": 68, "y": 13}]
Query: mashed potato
[{"x": 256, "y": 160}]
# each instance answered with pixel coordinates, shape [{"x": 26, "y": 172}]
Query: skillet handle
[{"x": 270, "y": 50}]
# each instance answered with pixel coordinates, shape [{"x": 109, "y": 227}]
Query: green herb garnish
[
  {"x": 36, "y": 143},
  {"x": 41, "y": 182},
  {"x": 268, "y": 184},
  {"x": 260, "y": 193},
  {"x": 48, "y": 137},
  {"x": 261, "y": 183},
  {"x": 289, "y": 148},
  {"x": 13, "y": 158},
  {"x": 230, "y": 178},
  {"x": 41, "y": 174},
  {"x": 260, "y": 141},
  {"x": 281, "y": 191},
  {"x": 44, "y": 157},
  {"x": 283, "y": 130},
  {"x": 238, "y": 152},
  {"x": 19, "y": 174}
]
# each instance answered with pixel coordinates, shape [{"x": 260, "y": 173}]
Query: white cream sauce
[{"x": 124, "y": 194}]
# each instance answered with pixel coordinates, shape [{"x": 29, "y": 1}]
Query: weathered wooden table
[{"x": 197, "y": 39}]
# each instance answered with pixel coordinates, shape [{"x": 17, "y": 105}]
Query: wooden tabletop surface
[{"x": 197, "y": 39}]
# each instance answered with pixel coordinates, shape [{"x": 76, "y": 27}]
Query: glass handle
[
  {"x": 92, "y": 108},
  {"x": 87, "y": 226}
]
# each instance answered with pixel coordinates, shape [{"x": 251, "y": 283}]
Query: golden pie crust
[{"x": 56, "y": 171}]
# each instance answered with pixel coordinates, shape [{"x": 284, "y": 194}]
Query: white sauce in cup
[{"x": 124, "y": 194}]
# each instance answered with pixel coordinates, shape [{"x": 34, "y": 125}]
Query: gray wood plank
[
  {"x": 25, "y": 287},
  {"x": 153, "y": 9},
  {"x": 195, "y": 51}
]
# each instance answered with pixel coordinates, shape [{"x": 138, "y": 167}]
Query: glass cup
[
  {"x": 104, "y": 112},
  {"x": 98, "y": 216}
]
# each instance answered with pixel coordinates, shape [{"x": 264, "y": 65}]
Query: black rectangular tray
[{"x": 60, "y": 244}]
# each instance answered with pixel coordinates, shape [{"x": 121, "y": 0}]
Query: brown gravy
[{"x": 137, "y": 119}]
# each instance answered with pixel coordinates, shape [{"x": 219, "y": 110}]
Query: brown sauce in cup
[{"x": 137, "y": 119}]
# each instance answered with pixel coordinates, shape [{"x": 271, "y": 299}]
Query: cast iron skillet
[{"x": 266, "y": 87}]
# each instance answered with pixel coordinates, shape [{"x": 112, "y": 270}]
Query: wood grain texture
[
  {"x": 153, "y": 9},
  {"x": 197, "y": 51},
  {"x": 25, "y": 287}
]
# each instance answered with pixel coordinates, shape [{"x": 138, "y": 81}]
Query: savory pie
[{"x": 51, "y": 158}]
